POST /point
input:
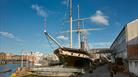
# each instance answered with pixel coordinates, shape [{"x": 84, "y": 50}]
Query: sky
[{"x": 22, "y": 23}]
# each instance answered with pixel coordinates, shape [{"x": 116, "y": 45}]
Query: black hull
[{"x": 74, "y": 57}]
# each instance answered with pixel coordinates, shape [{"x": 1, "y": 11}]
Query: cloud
[
  {"x": 64, "y": 2},
  {"x": 100, "y": 18},
  {"x": 10, "y": 36},
  {"x": 40, "y": 10},
  {"x": 62, "y": 37},
  {"x": 19, "y": 40},
  {"x": 7, "y": 34},
  {"x": 117, "y": 23}
]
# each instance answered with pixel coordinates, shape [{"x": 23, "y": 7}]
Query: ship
[
  {"x": 72, "y": 61},
  {"x": 73, "y": 57}
]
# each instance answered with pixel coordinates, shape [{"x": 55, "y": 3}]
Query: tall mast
[
  {"x": 70, "y": 23},
  {"x": 22, "y": 58},
  {"x": 78, "y": 24}
]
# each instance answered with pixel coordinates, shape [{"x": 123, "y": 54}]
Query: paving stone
[{"x": 103, "y": 71}]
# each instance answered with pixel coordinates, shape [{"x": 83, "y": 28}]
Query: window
[
  {"x": 130, "y": 63},
  {"x": 136, "y": 63}
]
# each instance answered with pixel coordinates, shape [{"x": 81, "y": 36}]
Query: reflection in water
[{"x": 8, "y": 66}]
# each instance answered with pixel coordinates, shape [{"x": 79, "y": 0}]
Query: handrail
[{"x": 56, "y": 69}]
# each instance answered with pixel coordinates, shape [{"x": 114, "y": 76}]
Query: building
[
  {"x": 2, "y": 56},
  {"x": 9, "y": 56},
  {"x": 125, "y": 46},
  {"x": 37, "y": 58},
  {"x": 5, "y": 56}
]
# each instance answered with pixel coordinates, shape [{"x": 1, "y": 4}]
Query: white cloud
[
  {"x": 40, "y": 10},
  {"x": 117, "y": 23},
  {"x": 10, "y": 35},
  {"x": 100, "y": 18},
  {"x": 64, "y": 2},
  {"x": 7, "y": 34},
  {"x": 19, "y": 40},
  {"x": 62, "y": 37}
]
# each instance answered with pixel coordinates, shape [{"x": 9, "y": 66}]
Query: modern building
[{"x": 125, "y": 46}]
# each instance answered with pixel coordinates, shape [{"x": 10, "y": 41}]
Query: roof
[
  {"x": 123, "y": 30},
  {"x": 101, "y": 50},
  {"x": 133, "y": 58},
  {"x": 132, "y": 22}
]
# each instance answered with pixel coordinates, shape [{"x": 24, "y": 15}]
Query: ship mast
[
  {"x": 70, "y": 23},
  {"x": 78, "y": 25},
  {"x": 78, "y": 29}
]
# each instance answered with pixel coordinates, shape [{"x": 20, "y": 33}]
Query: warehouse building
[{"x": 125, "y": 47}]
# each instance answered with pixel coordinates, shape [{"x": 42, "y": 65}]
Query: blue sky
[{"x": 22, "y": 22}]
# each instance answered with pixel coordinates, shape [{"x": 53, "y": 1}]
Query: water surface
[{"x": 8, "y": 66}]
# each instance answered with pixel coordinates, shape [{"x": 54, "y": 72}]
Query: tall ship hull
[{"x": 76, "y": 58}]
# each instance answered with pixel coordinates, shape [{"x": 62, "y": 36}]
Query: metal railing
[{"x": 55, "y": 69}]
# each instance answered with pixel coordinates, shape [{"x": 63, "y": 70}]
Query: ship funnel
[{"x": 82, "y": 45}]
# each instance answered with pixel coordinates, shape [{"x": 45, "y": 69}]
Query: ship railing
[{"x": 51, "y": 69}]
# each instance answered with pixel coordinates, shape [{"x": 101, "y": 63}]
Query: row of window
[{"x": 133, "y": 62}]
